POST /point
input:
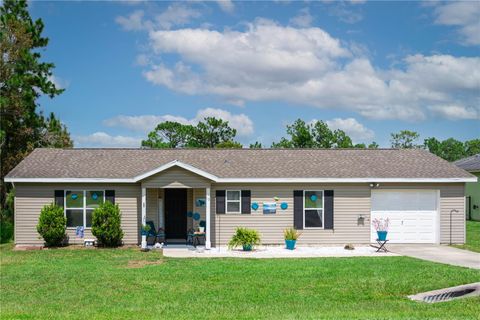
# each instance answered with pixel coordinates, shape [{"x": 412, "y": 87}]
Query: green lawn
[
  {"x": 109, "y": 284},
  {"x": 473, "y": 237}
]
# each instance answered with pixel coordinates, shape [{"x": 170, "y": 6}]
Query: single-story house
[
  {"x": 472, "y": 189},
  {"x": 331, "y": 195}
]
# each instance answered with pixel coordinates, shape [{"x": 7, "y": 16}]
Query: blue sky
[{"x": 369, "y": 68}]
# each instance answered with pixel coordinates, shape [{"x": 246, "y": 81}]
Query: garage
[{"x": 413, "y": 215}]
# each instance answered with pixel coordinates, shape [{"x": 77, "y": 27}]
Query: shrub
[
  {"x": 106, "y": 224},
  {"x": 52, "y": 224},
  {"x": 244, "y": 237},
  {"x": 291, "y": 234},
  {"x": 6, "y": 230}
]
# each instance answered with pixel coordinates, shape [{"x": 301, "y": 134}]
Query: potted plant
[
  {"x": 247, "y": 238},
  {"x": 291, "y": 236},
  {"x": 381, "y": 226},
  {"x": 145, "y": 230}
]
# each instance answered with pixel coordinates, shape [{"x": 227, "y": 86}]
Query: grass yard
[
  {"x": 128, "y": 284},
  {"x": 473, "y": 237}
]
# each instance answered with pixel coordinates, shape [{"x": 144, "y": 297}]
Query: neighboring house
[
  {"x": 332, "y": 195},
  {"x": 472, "y": 189}
]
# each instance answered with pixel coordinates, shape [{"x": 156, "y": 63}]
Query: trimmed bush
[
  {"x": 106, "y": 224},
  {"x": 52, "y": 225}
]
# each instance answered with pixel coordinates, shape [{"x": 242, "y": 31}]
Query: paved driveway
[{"x": 437, "y": 253}]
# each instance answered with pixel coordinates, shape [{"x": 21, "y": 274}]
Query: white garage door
[{"x": 413, "y": 215}]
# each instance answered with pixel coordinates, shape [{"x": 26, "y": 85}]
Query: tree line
[{"x": 217, "y": 133}]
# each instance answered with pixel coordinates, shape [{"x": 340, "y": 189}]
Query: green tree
[
  {"x": 229, "y": 145},
  {"x": 452, "y": 149},
  {"x": 282, "y": 144},
  {"x": 373, "y": 145},
  {"x": 472, "y": 147},
  {"x": 211, "y": 132},
  {"x": 169, "y": 134},
  {"x": 55, "y": 134},
  {"x": 360, "y": 146},
  {"x": 433, "y": 145},
  {"x": 256, "y": 145},
  {"x": 323, "y": 135},
  {"x": 23, "y": 79},
  {"x": 404, "y": 139},
  {"x": 342, "y": 140},
  {"x": 300, "y": 134}
]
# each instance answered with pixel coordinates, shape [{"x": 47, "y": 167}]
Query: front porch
[{"x": 175, "y": 212}]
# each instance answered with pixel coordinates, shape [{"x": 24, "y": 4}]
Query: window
[
  {"x": 313, "y": 209},
  {"x": 79, "y": 205},
  {"x": 233, "y": 200}
]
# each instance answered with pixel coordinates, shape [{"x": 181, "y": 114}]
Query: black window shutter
[
  {"x": 298, "y": 209},
  {"x": 220, "y": 201},
  {"x": 328, "y": 215},
  {"x": 59, "y": 194},
  {"x": 246, "y": 196},
  {"x": 110, "y": 196}
]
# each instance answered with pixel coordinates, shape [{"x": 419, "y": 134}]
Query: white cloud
[
  {"x": 176, "y": 14},
  {"x": 102, "y": 139},
  {"x": 456, "y": 112},
  {"x": 133, "y": 22},
  {"x": 145, "y": 123},
  {"x": 465, "y": 15},
  {"x": 357, "y": 131},
  {"x": 303, "y": 19},
  {"x": 226, "y": 5},
  {"x": 142, "y": 60},
  {"x": 345, "y": 14},
  {"x": 306, "y": 66}
]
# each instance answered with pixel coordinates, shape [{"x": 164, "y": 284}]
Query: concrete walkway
[
  {"x": 273, "y": 252},
  {"x": 437, "y": 253}
]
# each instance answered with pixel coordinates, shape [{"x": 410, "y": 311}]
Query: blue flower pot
[
  {"x": 290, "y": 244},
  {"x": 247, "y": 247},
  {"x": 382, "y": 235}
]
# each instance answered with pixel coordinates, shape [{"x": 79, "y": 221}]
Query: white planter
[
  {"x": 144, "y": 242},
  {"x": 201, "y": 229}
]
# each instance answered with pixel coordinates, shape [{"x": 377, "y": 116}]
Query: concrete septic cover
[{"x": 447, "y": 294}]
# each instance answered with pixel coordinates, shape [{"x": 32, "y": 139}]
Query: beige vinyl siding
[
  {"x": 175, "y": 177},
  {"x": 199, "y": 193},
  {"x": 152, "y": 206},
  {"x": 31, "y": 198},
  {"x": 350, "y": 201},
  {"x": 452, "y": 197}
]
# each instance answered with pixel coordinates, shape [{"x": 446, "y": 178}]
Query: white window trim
[
  {"x": 323, "y": 209},
  {"x": 84, "y": 209},
  {"x": 235, "y": 201}
]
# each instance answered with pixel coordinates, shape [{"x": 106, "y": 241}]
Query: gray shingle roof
[
  {"x": 471, "y": 164},
  {"x": 238, "y": 163}
]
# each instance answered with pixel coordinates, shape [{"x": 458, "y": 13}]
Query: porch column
[
  {"x": 208, "y": 244},
  {"x": 144, "y": 216},
  {"x": 144, "y": 206}
]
